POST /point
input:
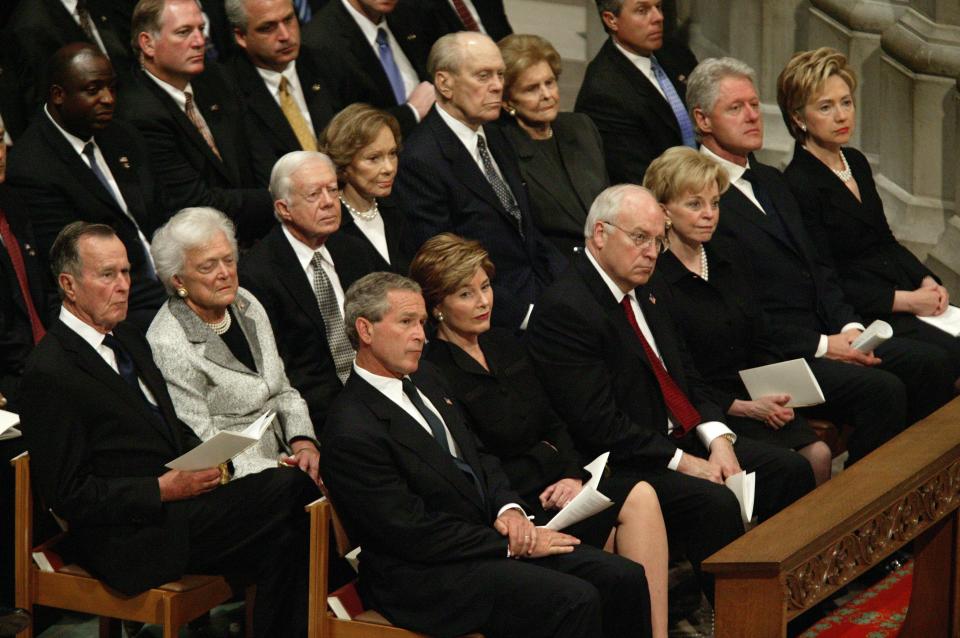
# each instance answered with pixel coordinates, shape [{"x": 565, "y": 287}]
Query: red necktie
[
  {"x": 465, "y": 16},
  {"x": 13, "y": 249},
  {"x": 685, "y": 417}
]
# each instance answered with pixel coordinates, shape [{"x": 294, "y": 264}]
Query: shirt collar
[
  {"x": 272, "y": 78},
  {"x": 734, "y": 171},
  {"x": 303, "y": 252},
  {"x": 611, "y": 284},
  {"x": 87, "y": 332},
  {"x": 70, "y": 6},
  {"x": 642, "y": 62},
  {"x": 368, "y": 28},
  {"x": 74, "y": 141},
  {"x": 391, "y": 387},
  {"x": 463, "y": 132},
  {"x": 180, "y": 97}
]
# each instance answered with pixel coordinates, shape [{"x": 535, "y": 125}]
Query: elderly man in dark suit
[
  {"x": 299, "y": 272},
  {"x": 800, "y": 293},
  {"x": 458, "y": 175},
  {"x": 378, "y": 51},
  {"x": 76, "y": 163},
  {"x": 100, "y": 427},
  {"x": 615, "y": 367},
  {"x": 633, "y": 89},
  {"x": 193, "y": 120},
  {"x": 430, "y": 509},
  {"x": 289, "y": 98}
]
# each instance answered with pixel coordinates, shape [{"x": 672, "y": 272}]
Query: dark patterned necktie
[
  {"x": 503, "y": 192},
  {"x": 340, "y": 348}
]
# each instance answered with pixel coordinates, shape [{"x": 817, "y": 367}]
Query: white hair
[
  {"x": 703, "y": 84},
  {"x": 188, "y": 229},
  {"x": 281, "y": 180},
  {"x": 608, "y": 203}
]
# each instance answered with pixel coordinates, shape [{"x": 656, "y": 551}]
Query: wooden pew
[{"x": 908, "y": 489}]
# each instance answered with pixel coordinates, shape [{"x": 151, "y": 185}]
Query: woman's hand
[
  {"x": 771, "y": 410},
  {"x": 929, "y": 300},
  {"x": 557, "y": 496},
  {"x": 306, "y": 456}
]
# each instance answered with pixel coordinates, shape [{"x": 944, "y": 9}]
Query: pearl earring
[
  {"x": 803, "y": 127},
  {"x": 438, "y": 315},
  {"x": 182, "y": 292},
  {"x": 512, "y": 112}
]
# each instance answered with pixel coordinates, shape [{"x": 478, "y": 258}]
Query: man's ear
[
  {"x": 68, "y": 285},
  {"x": 443, "y": 83},
  {"x": 702, "y": 121},
  {"x": 240, "y": 37},
  {"x": 610, "y": 21},
  {"x": 147, "y": 45},
  {"x": 364, "y": 330}
]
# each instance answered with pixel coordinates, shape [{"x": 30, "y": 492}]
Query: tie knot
[
  {"x": 750, "y": 176},
  {"x": 625, "y": 302},
  {"x": 409, "y": 388},
  {"x": 381, "y": 36},
  {"x": 317, "y": 259},
  {"x": 481, "y": 142},
  {"x": 284, "y": 84},
  {"x": 112, "y": 342},
  {"x": 88, "y": 149},
  {"x": 188, "y": 99}
]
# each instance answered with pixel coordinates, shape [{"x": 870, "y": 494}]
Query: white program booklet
[
  {"x": 875, "y": 334},
  {"x": 792, "y": 377},
  {"x": 588, "y": 502},
  {"x": 222, "y": 446},
  {"x": 7, "y": 421},
  {"x": 949, "y": 321},
  {"x": 744, "y": 487}
]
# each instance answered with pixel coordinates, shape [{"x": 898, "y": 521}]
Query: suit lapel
[
  {"x": 285, "y": 261},
  {"x": 249, "y": 329},
  {"x": 208, "y": 105},
  {"x": 214, "y": 350},
  {"x": 642, "y": 86},
  {"x": 126, "y": 175},
  {"x": 353, "y": 40},
  {"x": 573, "y": 158},
  {"x": 262, "y": 103},
  {"x": 737, "y": 204}
]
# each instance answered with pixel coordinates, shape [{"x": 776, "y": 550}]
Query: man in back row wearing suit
[
  {"x": 75, "y": 162},
  {"x": 288, "y": 96},
  {"x": 633, "y": 89},
  {"x": 191, "y": 117},
  {"x": 299, "y": 272},
  {"x": 458, "y": 175},
  {"x": 100, "y": 427},
  {"x": 436, "y": 517}
]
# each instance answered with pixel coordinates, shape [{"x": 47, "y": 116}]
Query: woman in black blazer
[
  {"x": 493, "y": 380},
  {"x": 714, "y": 308},
  {"x": 363, "y": 143},
  {"x": 842, "y": 209},
  {"x": 560, "y": 154}
]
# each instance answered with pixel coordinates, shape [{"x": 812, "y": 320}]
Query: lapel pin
[
  {"x": 29, "y": 250},
  {"x": 103, "y": 18},
  {"x": 214, "y": 108},
  {"x": 682, "y": 79},
  {"x": 411, "y": 37},
  {"x": 652, "y": 299},
  {"x": 449, "y": 402},
  {"x": 124, "y": 162},
  {"x": 315, "y": 88}
]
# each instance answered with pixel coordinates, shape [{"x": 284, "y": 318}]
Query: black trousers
[
  {"x": 908, "y": 326},
  {"x": 256, "y": 528},
  {"x": 924, "y": 368}
]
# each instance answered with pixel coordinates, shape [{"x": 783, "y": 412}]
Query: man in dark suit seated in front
[
  {"x": 299, "y": 272},
  {"x": 633, "y": 89},
  {"x": 457, "y": 174},
  {"x": 192, "y": 119},
  {"x": 100, "y": 427},
  {"x": 289, "y": 98},
  {"x": 447, "y": 549},
  {"x": 75, "y": 162},
  {"x": 800, "y": 293},
  {"x": 620, "y": 375}
]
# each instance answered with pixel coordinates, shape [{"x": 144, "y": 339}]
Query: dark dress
[
  {"x": 511, "y": 414},
  {"x": 394, "y": 228},
  {"x": 856, "y": 239},
  {"x": 725, "y": 330}
]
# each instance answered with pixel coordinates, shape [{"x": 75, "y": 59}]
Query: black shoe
[{"x": 13, "y": 620}]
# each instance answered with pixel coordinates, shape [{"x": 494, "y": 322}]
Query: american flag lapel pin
[
  {"x": 124, "y": 162},
  {"x": 652, "y": 299},
  {"x": 449, "y": 402}
]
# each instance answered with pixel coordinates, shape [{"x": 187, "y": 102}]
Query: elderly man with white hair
[{"x": 299, "y": 272}]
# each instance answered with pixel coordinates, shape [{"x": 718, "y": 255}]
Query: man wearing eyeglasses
[{"x": 620, "y": 375}]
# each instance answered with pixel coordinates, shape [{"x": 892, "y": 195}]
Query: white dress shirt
[
  {"x": 375, "y": 232},
  {"x": 735, "y": 173},
  {"x": 78, "y": 146},
  {"x": 71, "y": 7},
  {"x": 305, "y": 256},
  {"x": 180, "y": 97},
  {"x": 642, "y": 62},
  {"x": 272, "y": 80},
  {"x": 707, "y": 431}
]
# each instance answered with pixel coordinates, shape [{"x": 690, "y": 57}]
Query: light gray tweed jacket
[{"x": 213, "y": 391}]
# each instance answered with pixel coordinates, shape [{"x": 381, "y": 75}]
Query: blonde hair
[
  {"x": 681, "y": 170},
  {"x": 521, "y": 51},
  {"x": 444, "y": 263},
  {"x": 352, "y": 129},
  {"x": 803, "y": 78}
]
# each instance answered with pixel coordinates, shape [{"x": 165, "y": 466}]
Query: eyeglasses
[{"x": 642, "y": 240}]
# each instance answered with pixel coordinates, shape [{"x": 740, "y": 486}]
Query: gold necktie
[
  {"x": 191, "y": 111},
  {"x": 295, "y": 118}
]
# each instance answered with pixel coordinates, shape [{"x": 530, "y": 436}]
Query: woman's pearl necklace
[
  {"x": 365, "y": 215},
  {"x": 846, "y": 174},
  {"x": 221, "y": 327},
  {"x": 704, "y": 266}
]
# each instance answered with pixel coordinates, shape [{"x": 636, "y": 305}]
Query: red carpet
[{"x": 876, "y": 613}]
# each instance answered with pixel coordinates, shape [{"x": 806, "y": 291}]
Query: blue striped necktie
[
  {"x": 390, "y": 66},
  {"x": 676, "y": 104}
]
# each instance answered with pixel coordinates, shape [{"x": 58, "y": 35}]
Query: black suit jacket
[
  {"x": 354, "y": 65},
  {"x": 635, "y": 121},
  {"x": 272, "y": 273},
  {"x": 560, "y": 199},
  {"x": 187, "y": 169},
  {"x": 16, "y": 336},
  {"x": 852, "y": 235},
  {"x": 264, "y": 117},
  {"x": 47, "y": 171},
  {"x": 796, "y": 288},
  {"x": 419, "y": 519},
  {"x": 596, "y": 372},
  {"x": 441, "y": 188},
  {"x": 395, "y": 229},
  {"x": 493, "y": 17},
  {"x": 96, "y": 452}
]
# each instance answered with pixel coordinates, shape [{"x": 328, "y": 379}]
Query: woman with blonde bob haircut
[
  {"x": 363, "y": 143},
  {"x": 714, "y": 307},
  {"x": 841, "y": 207},
  {"x": 493, "y": 380}
]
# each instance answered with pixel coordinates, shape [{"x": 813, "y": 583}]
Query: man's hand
[
  {"x": 838, "y": 347},
  {"x": 550, "y": 543},
  {"x": 177, "y": 486},
  {"x": 722, "y": 454},
  {"x": 422, "y": 98},
  {"x": 771, "y": 409},
  {"x": 306, "y": 456},
  {"x": 698, "y": 468},
  {"x": 557, "y": 496},
  {"x": 519, "y": 530}
]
